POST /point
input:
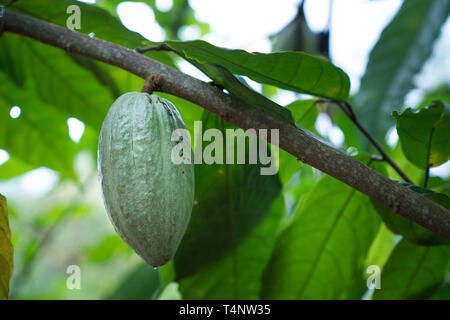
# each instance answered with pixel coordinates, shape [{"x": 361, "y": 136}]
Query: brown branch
[{"x": 309, "y": 150}]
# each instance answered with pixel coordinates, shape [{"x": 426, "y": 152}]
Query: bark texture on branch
[{"x": 309, "y": 150}]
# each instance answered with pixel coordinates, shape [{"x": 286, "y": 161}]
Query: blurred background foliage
[{"x": 48, "y": 172}]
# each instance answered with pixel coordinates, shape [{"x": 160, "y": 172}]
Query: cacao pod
[{"x": 148, "y": 197}]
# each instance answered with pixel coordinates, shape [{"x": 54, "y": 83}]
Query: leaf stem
[
  {"x": 348, "y": 110},
  {"x": 427, "y": 171},
  {"x": 427, "y": 175},
  {"x": 161, "y": 47}
]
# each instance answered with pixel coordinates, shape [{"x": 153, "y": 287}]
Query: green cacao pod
[{"x": 147, "y": 196}]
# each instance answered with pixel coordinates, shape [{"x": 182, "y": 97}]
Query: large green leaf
[
  {"x": 413, "y": 272},
  {"x": 425, "y": 135},
  {"x": 402, "y": 49},
  {"x": 239, "y": 88},
  {"x": 238, "y": 274},
  {"x": 442, "y": 93},
  {"x": 11, "y": 61},
  {"x": 296, "y": 71},
  {"x": 347, "y": 126},
  {"x": 443, "y": 293},
  {"x": 67, "y": 86},
  {"x": 14, "y": 167},
  {"x": 230, "y": 200},
  {"x": 381, "y": 247},
  {"x": 322, "y": 252},
  {"x": 305, "y": 113},
  {"x": 93, "y": 20},
  {"x": 107, "y": 248},
  {"x": 39, "y": 136},
  {"x": 61, "y": 82},
  {"x": 6, "y": 250}
]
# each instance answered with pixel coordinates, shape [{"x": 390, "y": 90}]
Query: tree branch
[{"x": 398, "y": 198}]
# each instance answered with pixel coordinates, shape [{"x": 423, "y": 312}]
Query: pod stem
[{"x": 152, "y": 83}]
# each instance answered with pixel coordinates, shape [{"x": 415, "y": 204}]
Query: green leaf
[
  {"x": 61, "y": 82},
  {"x": 295, "y": 71},
  {"x": 347, "y": 126},
  {"x": 439, "y": 185},
  {"x": 14, "y": 167},
  {"x": 11, "y": 58},
  {"x": 102, "y": 72},
  {"x": 412, "y": 272},
  {"x": 305, "y": 113},
  {"x": 443, "y": 293},
  {"x": 238, "y": 274},
  {"x": 39, "y": 136},
  {"x": 166, "y": 277},
  {"x": 319, "y": 255},
  {"x": 107, "y": 248},
  {"x": 381, "y": 247},
  {"x": 410, "y": 230},
  {"x": 67, "y": 86},
  {"x": 239, "y": 88},
  {"x": 403, "y": 47},
  {"x": 230, "y": 200},
  {"x": 6, "y": 250},
  {"x": 441, "y": 92},
  {"x": 425, "y": 135},
  {"x": 142, "y": 283},
  {"x": 93, "y": 20},
  {"x": 298, "y": 186}
]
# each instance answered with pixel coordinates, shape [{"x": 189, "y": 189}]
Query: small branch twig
[
  {"x": 348, "y": 110},
  {"x": 300, "y": 144},
  {"x": 374, "y": 142}
]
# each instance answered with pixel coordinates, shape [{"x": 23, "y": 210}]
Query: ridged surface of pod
[{"x": 147, "y": 196}]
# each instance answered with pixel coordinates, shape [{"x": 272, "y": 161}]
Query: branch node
[
  {"x": 394, "y": 207},
  {"x": 152, "y": 83}
]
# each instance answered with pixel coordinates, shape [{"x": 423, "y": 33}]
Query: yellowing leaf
[{"x": 6, "y": 250}]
